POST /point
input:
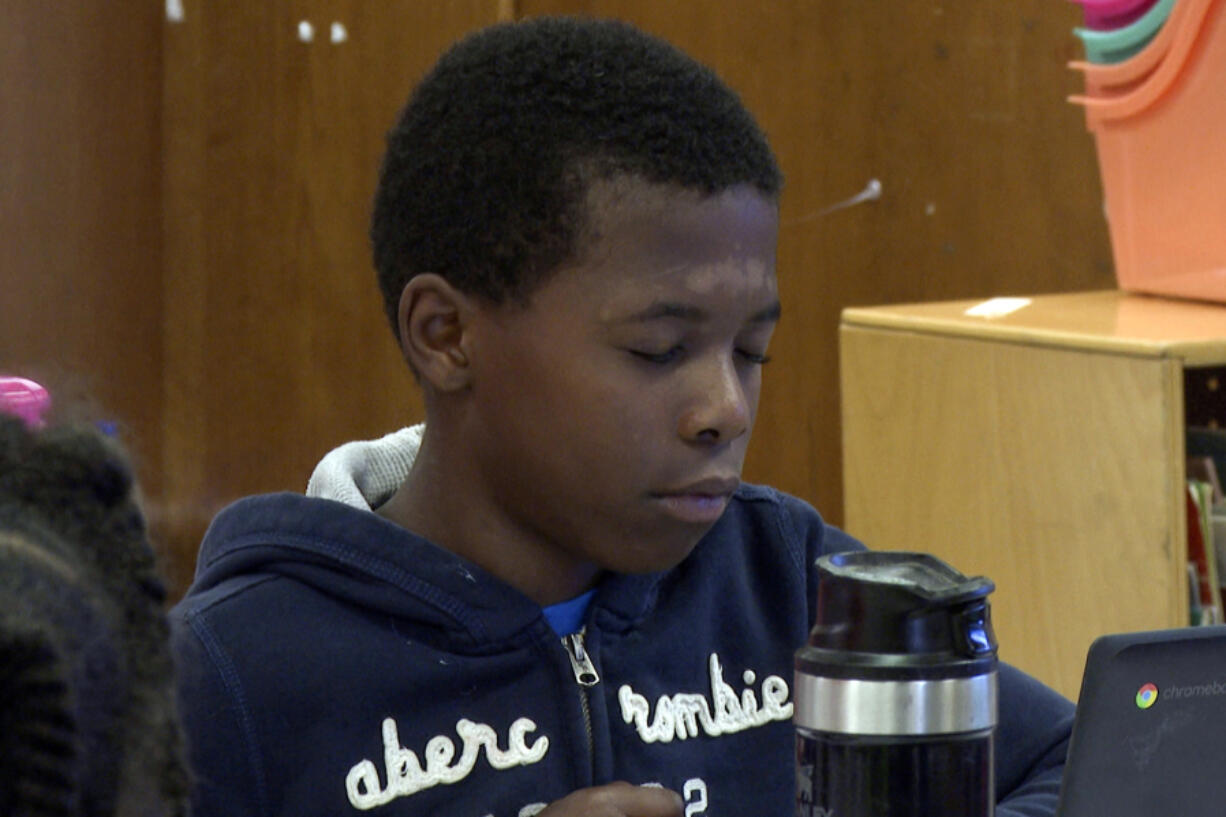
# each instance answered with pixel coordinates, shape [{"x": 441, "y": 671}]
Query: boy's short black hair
[{"x": 486, "y": 172}]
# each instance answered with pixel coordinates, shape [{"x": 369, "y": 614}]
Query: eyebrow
[{"x": 687, "y": 312}]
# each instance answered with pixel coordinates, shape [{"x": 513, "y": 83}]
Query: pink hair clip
[{"x": 24, "y": 399}]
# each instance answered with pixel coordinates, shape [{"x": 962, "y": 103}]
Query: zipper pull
[{"x": 580, "y": 662}]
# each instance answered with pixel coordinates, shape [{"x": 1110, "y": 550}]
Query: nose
[{"x": 721, "y": 406}]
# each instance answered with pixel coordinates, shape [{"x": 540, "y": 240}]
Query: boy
[{"x": 556, "y": 597}]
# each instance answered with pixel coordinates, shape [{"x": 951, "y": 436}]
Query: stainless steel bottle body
[
  {"x": 895, "y": 694},
  {"x": 854, "y": 776},
  {"x": 889, "y": 748}
]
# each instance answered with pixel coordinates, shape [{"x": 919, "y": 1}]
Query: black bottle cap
[{"x": 899, "y": 614}]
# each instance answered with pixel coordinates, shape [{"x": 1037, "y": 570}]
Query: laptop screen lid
[{"x": 1150, "y": 732}]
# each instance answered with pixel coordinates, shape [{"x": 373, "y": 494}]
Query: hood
[
  {"x": 330, "y": 541},
  {"x": 366, "y": 473},
  {"x": 358, "y": 559}
]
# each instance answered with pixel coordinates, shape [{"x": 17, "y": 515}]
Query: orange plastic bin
[{"x": 1162, "y": 154}]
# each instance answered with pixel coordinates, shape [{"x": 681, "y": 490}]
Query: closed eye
[
  {"x": 753, "y": 357},
  {"x": 659, "y": 358}
]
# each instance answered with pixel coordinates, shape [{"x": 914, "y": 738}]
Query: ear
[{"x": 434, "y": 317}]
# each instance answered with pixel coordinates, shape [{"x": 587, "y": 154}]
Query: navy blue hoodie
[{"x": 333, "y": 663}]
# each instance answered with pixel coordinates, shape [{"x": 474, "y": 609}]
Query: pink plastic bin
[
  {"x": 1114, "y": 13},
  {"x": 1116, "y": 17}
]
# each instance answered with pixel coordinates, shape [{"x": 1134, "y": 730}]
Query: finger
[
  {"x": 645, "y": 801},
  {"x": 617, "y": 800}
]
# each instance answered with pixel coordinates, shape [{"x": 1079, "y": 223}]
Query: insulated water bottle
[{"x": 895, "y": 692}]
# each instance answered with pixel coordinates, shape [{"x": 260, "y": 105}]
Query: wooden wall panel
[
  {"x": 80, "y": 255},
  {"x": 264, "y": 344},
  {"x": 989, "y": 179},
  {"x": 276, "y": 345}
]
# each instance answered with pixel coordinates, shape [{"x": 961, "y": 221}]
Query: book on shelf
[
  {"x": 1206, "y": 517},
  {"x": 1203, "y": 557}
]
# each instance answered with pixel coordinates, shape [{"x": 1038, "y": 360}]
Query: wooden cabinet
[{"x": 1043, "y": 448}]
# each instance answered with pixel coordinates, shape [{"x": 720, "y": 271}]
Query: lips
[{"x": 699, "y": 502}]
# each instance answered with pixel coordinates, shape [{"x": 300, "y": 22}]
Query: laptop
[{"x": 1149, "y": 739}]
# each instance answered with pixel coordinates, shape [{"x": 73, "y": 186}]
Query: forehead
[{"x": 646, "y": 240}]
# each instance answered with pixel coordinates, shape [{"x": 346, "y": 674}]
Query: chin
[{"x": 662, "y": 555}]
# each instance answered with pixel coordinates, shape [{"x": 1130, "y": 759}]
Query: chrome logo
[{"x": 1147, "y": 696}]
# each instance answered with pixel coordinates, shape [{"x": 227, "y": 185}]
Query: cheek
[
  {"x": 611, "y": 429},
  {"x": 617, "y": 424},
  {"x": 556, "y": 399},
  {"x": 581, "y": 403},
  {"x": 753, "y": 390}
]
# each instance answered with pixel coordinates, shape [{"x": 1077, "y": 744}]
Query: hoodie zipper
[{"x": 587, "y": 677}]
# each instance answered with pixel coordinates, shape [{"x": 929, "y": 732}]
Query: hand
[{"x": 617, "y": 800}]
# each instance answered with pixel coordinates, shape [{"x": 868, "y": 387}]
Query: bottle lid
[{"x": 903, "y": 613}]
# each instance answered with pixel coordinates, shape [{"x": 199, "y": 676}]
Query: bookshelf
[{"x": 1043, "y": 448}]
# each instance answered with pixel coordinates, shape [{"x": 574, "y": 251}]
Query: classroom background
[{"x": 185, "y": 189}]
